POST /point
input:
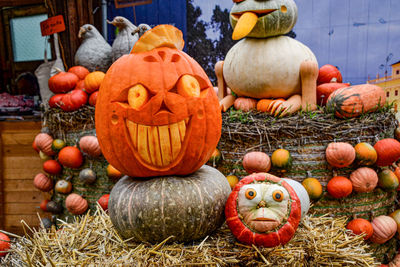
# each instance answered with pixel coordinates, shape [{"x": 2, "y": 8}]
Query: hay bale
[{"x": 91, "y": 240}]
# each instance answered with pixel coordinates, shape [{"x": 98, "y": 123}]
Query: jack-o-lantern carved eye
[
  {"x": 277, "y": 195},
  {"x": 188, "y": 86},
  {"x": 138, "y": 96},
  {"x": 250, "y": 193}
]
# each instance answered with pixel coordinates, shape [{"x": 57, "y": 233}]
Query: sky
[{"x": 361, "y": 37}]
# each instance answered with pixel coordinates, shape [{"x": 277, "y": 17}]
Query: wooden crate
[{"x": 19, "y": 199}]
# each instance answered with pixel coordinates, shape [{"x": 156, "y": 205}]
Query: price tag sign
[{"x": 52, "y": 25}]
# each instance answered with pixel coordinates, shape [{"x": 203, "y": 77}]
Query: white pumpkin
[
  {"x": 266, "y": 68},
  {"x": 302, "y": 194}
]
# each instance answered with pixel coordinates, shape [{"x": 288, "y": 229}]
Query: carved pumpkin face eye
[
  {"x": 188, "y": 86},
  {"x": 277, "y": 195},
  {"x": 138, "y": 96},
  {"x": 250, "y": 193}
]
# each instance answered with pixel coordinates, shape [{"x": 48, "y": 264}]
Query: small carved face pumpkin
[
  {"x": 265, "y": 18},
  {"x": 157, "y": 112},
  {"x": 263, "y": 210}
]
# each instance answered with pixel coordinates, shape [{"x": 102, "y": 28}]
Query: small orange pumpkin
[
  {"x": 62, "y": 82},
  {"x": 5, "y": 244},
  {"x": 339, "y": 187},
  {"x": 364, "y": 179},
  {"x": 79, "y": 71},
  {"x": 90, "y": 145},
  {"x": 396, "y": 216},
  {"x": 52, "y": 167},
  {"x": 360, "y": 226},
  {"x": 70, "y": 157},
  {"x": 388, "y": 151},
  {"x": 385, "y": 227},
  {"x": 63, "y": 186},
  {"x": 387, "y": 180},
  {"x": 113, "y": 173},
  {"x": 76, "y": 204},
  {"x": 340, "y": 154},
  {"x": 264, "y": 105},
  {"x": 256, "y": 162},
  {"x": 326, "y": 89},
  {"x": 245, "y": 104},
  {"x": 313, "y": 187},
  {"x": 329, "y": 73},
  {"x": 43, "y": 142},
  {"x": 93, "y": 81},
  {"x": 42, "y": 182},
  {"x": 365, "y": 154},
  {"x": 103, "y": 201},
  {"x": 43, "y": 204},
  {"x": 281, "y": 159}
]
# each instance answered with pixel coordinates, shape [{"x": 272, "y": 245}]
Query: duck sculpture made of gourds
[{"x": 265, "y": 63}]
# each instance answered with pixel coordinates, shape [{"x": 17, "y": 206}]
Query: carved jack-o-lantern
[
  {"x": 263, "y": 210},
  {"x": 157, "y": 112}
]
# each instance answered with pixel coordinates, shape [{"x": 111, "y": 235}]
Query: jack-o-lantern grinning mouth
[
  {"x": 259, "y": 13},
  {"x": 158, "y": 146}
]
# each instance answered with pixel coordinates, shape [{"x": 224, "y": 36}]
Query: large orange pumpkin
[
  {"x": 157, "y": 112},
  {"x": 388, "y": 151}
]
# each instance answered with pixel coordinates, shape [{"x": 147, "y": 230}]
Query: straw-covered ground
[{"x": 92, "y": 240}]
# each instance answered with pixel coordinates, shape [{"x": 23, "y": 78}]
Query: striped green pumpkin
[{"x": 151, "y": 210}]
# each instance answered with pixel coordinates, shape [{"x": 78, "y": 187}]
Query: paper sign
[{"x": 52, "y": 25}]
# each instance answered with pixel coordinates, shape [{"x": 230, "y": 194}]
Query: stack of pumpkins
[
  {"x": 75, "y": 88},
  {"x": 381, "y": 157},
  {"x": 158, "y": 121},
  {"x": 62, "y": 165}
]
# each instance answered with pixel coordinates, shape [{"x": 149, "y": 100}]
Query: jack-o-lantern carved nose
[{"x": 163, "y": 107}]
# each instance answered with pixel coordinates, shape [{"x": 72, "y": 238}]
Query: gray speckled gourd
[
  {"x": 151, "y": 210},
  {"x": 94, "y": 53},
  {"x": 126, "y": 37}
]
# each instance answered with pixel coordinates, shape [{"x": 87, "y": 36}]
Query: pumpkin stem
[{"x": 58, "y": 70}]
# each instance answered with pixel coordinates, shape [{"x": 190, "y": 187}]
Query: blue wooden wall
[{"x": 158, "y": 12}]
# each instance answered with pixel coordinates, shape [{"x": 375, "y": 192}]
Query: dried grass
[{"x": 92, "y": 240}]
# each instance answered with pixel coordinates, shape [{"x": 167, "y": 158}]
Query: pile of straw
[{"x": 92, "y": 240}]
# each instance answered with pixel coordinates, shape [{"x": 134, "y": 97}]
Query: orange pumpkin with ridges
[
  {"x": 256, "y": 162},
  {"x": 70, "y": 157},
  {"x": 93, "y": 81},
  {"x": 385, "y": 228},
  {"x": 42, "y": 182},
  {"x": 43, "y": 142},
  {"x": 79, "y": 71},
  {"x": 355, "y": 100},
  {"x": 76, "y": 204},
  {"x": 326, "y": 89},
  {"x": 339, "y": 187},
  {"x": 364, "y": 179},
  {"x": 388, "y": 151},
  {"x": 329, "y": 73},
  {"x": 166, "y": 132},
  {"x": 340, "y": 154},
  {"x": 361, "y": 226}
]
